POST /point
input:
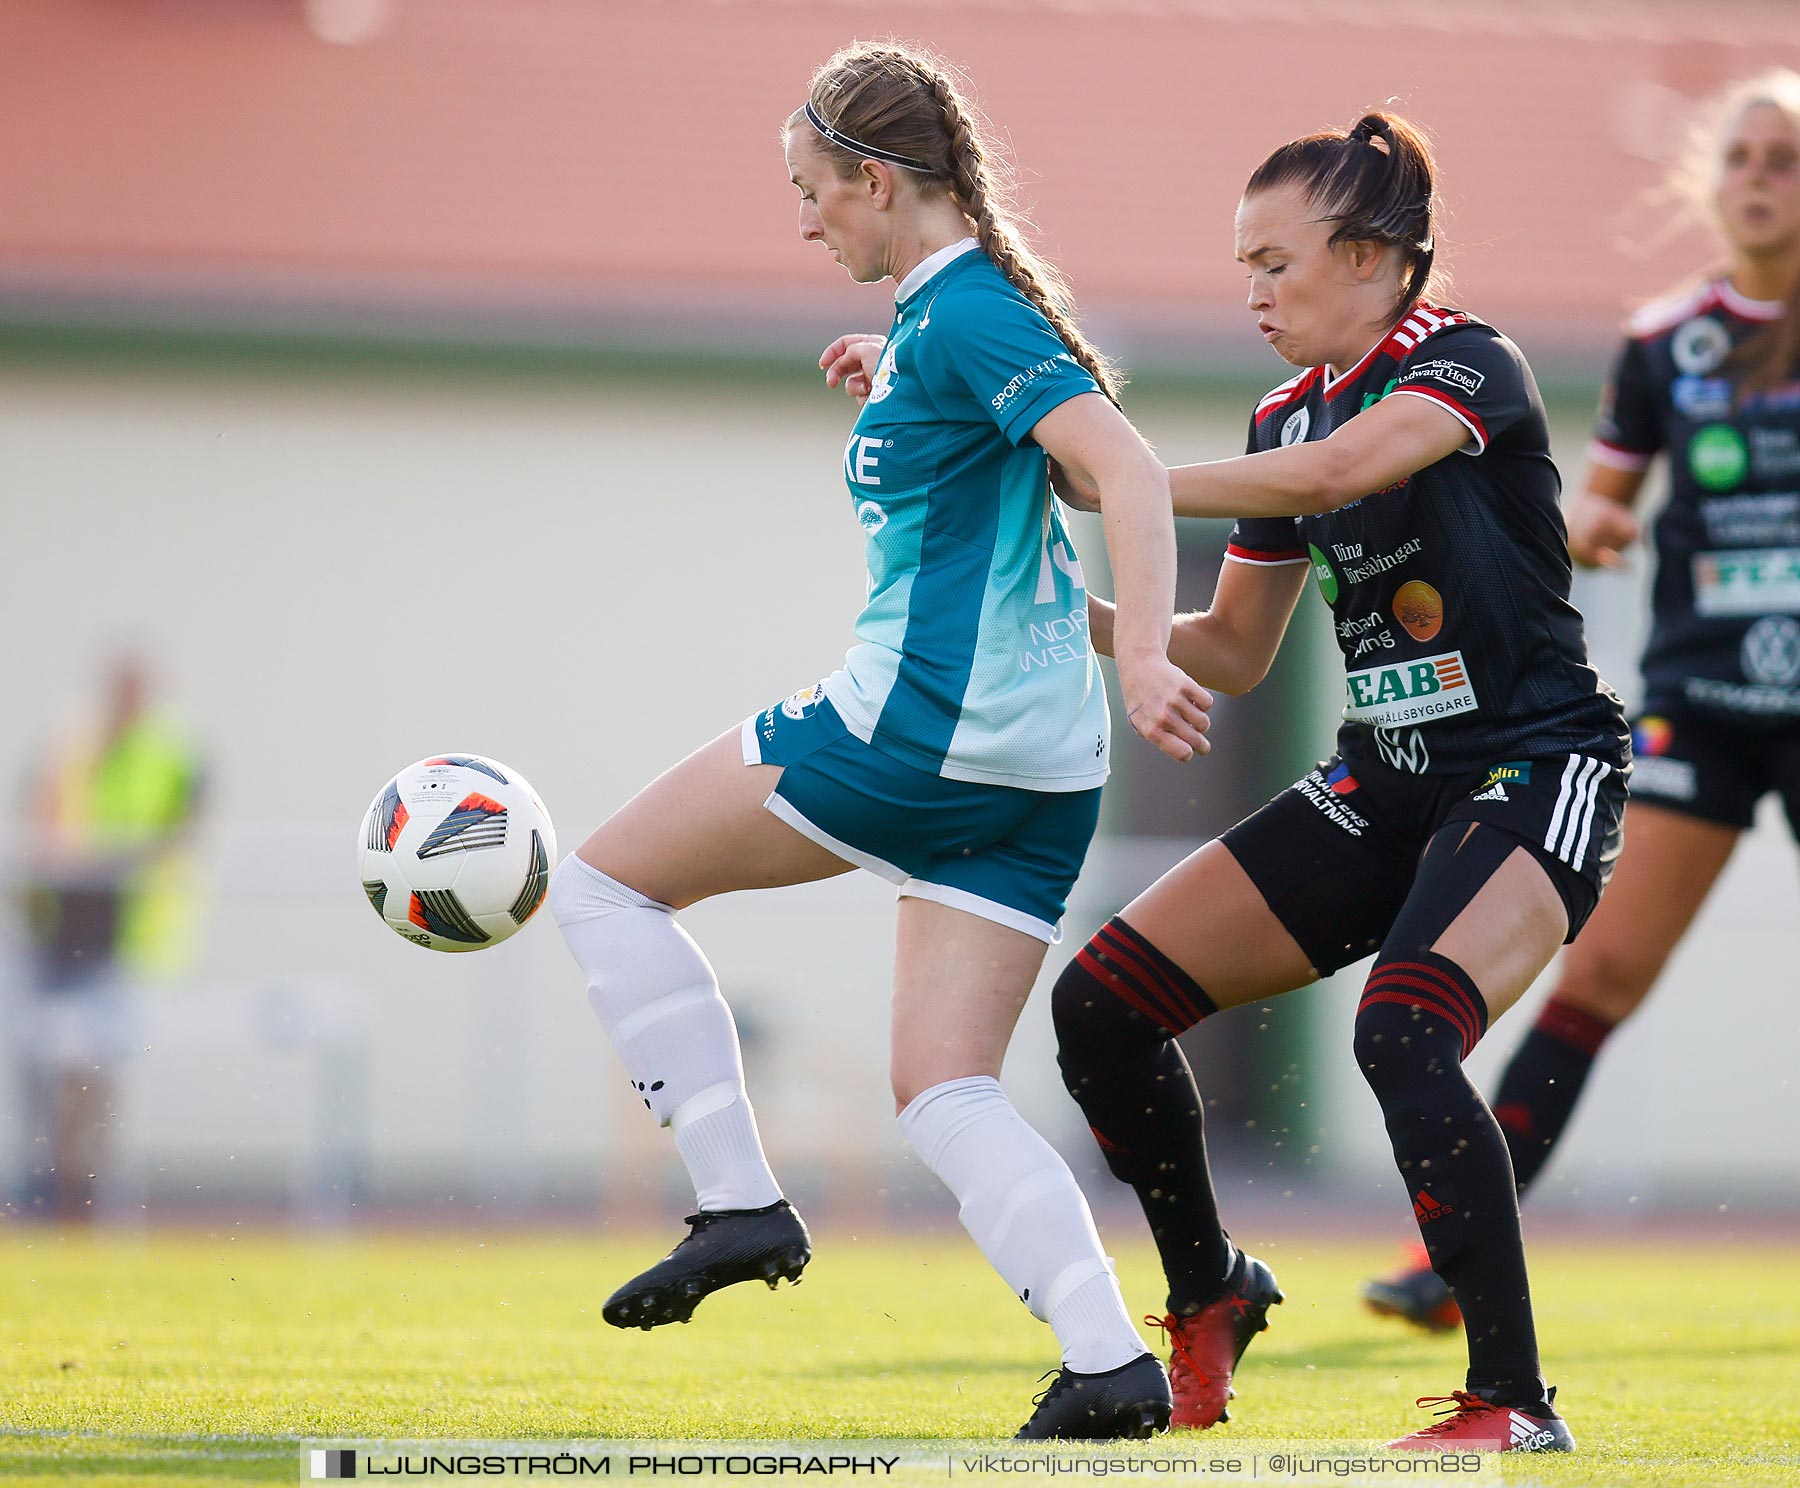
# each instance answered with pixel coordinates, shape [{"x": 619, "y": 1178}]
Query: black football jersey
[
  {"x": 1449, "y": 589},
  {"x": 1725, "y": 632}
]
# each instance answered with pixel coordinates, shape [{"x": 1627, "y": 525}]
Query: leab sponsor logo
[
  {"x": 1409, "y": 692},
  {"x": 1748, "y": 581}
]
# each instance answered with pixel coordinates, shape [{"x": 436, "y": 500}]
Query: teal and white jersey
[{"x": 974, "y": 660}]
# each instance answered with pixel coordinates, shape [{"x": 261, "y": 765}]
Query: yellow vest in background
[{"x": 126, "y": 797}]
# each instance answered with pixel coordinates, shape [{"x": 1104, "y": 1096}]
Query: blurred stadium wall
[{"x": 417, "y": 375}]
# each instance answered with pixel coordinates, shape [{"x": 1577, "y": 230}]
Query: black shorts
[
  {"x": 1714, "y": 767},
  {"x": 1334, "y": 855}
]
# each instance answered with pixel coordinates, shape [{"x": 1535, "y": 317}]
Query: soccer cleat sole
[
  {"x": 787, "y": 1268},
  {"x": 658, "y": 1306}
]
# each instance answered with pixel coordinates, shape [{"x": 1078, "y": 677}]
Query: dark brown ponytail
[
  {"x": 1376, "y": 182},
  {"x": 904, "y": 101}
]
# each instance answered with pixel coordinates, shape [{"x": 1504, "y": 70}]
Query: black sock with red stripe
[
  {"x": 1543, "y": 1081},
  {"x": 1418, "y": 1020},
  {"x": 1118, "y": 1006}
]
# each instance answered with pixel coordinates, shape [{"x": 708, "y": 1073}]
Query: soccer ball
[{"x": 455, "y": 852}]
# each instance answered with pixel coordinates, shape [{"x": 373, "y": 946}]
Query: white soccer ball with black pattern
[{"x": 455, "y": 852}]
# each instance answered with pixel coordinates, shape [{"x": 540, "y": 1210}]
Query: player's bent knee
[
  {"x": 579, "y": 891},
  {"x": 1118, "y": 990},
  {"x": 1418, "y": 1018}
]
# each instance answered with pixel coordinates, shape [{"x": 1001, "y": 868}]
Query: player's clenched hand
[
  {"x": 1077, "y": 491},
  {"x": 1599, "y": 529},
  {"x": 851, "y": 361},
  {"x": 1166, "y": 706}
]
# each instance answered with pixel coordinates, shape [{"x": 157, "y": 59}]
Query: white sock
[
  {"x": 656, "y": 996},
  {"x": 1021, "y": 1206}
]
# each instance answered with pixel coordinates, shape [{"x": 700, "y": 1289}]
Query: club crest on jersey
[
  {"x": 1409, "y": 692},
  {"x": 882, "y": 383},
  {"x": 1294, "y": 429},
  {"x": 804, "y": 703},
  {"x": 870, "y": 517},
  {"x": 1700, "y": 347}
]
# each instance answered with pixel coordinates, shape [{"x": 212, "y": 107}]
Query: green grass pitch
[{"x": 205, "y": 1357}]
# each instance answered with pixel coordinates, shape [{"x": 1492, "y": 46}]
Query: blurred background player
[
  {"x": 1466, "y": 826},
  {"x": 935, "y": 757},
  {"x": 1709, "y": 377},
  {"x": 106, "y": 903}
]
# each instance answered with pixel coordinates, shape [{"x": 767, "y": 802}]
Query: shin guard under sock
[
  {"x": 1418, "y": 1019},
  {"x": 1117, "y": 1007},
  {"x": 656, "y": 996},
  {"x": 1023, "y": 1209}
]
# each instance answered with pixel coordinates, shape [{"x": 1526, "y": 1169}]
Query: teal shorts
[{"x": 1005, "y": 854}]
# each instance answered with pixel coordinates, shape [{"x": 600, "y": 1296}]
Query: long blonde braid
[{"x": 996, "y": 230}]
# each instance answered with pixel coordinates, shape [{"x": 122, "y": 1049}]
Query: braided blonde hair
[{"x": 905, "y": 100}]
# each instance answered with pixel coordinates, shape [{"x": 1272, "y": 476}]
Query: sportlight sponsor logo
[
  {"x": 1024, "y": 379},
  {"x": 328, "y": 1464},
  {"x": 1409, "y": 692}
]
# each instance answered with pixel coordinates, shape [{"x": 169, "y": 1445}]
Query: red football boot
[
  {"x": 1474, "y": 1424},
  {"x": 1416, "y": 1293},
  {"x": 1205, "y": 1346}
]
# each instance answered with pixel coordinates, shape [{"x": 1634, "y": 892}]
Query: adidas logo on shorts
[{"x": 1497, "y": 792}]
